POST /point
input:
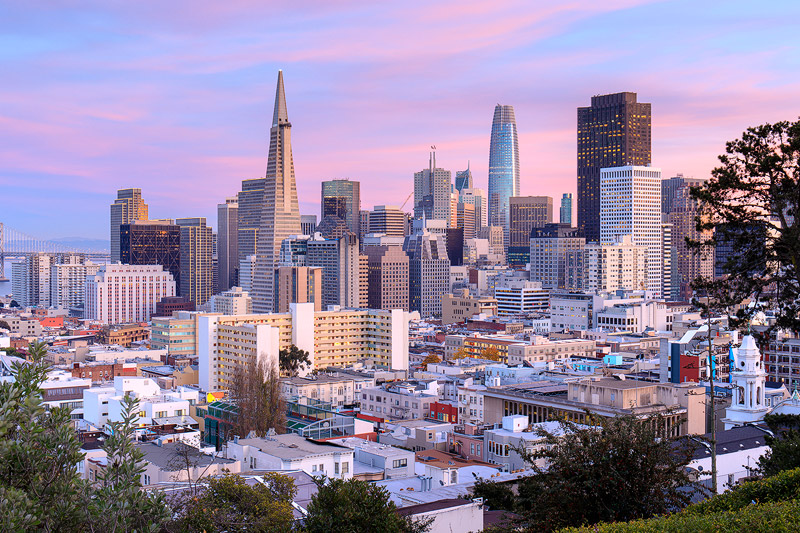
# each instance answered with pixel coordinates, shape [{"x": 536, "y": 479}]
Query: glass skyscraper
[{"x": 503, "y": 166}]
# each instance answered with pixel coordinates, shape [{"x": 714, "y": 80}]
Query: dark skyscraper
[
  {"x": 613, "y": 132},
  {"x": 346, "y": 192},
  {"x": 463, "y": 179},
  {"x": 152, "y": 242},
  {"x": 526, "y": 213}
]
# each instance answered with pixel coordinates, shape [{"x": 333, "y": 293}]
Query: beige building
[
  {"x": 542, "y": 349},
  {"x": 611, "y": 267},
  {"x": 388, "y": 220},
  {"x": 690, "y": 264},
  {"x": 683, "y": 405},
  {"x": 120, "y": 294},
  {"x": 297, "y": 284},
  {"x": 461, "y": 306},
  {"x": 176, "y": 334},
  {"x": 339, "y": 390},
  {"x": 233, "y": 302},
  {"x": 127, "y": 208},
  {"x": 334, "y": 338}
]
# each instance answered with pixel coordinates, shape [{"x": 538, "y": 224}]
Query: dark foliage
[
  {"x": 292, "y": 359},
  {"x": 256, "y": 390},
  {"x": 784, "y": 452}
]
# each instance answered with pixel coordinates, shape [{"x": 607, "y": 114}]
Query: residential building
[
  {"x": 429, "y": 272},
  {"x": 613, "y": 132},
  {"x": 631, "y": 205},
  {"x": 126, "y": 293},
  {"x": 565, "y": 212},
  {"x": 177, "y": 333},
  {"x": 416, "y": 435},
  {"x": 350, "y": 192},
  {"x": 556, "y": 257},
  {"x": 405, "y": 400},
  {"x": 128, "y": 206},
  {"x": 281, "y": 453},
  {"x": 521, "y": 297},
  {"x": 337, "y": 389},
  {"x": 234, "y": 301},
  {"x": 228, "y": 243},
  {"x": 525, "y": 214},
  {"x": 280, "y": 216},
  {"x": 388, "y": 220},
  {"x": 460, "y": 306},
  {"x": 68, "y": 283},
  {"x": 334, "y": 338},
  {"x": 503, "y": 167},
  {"x": 432, "y": 188},
  {"x": 197, "y": 250},
  {"x": 152, "y": 242},
  {"x": 610, "y": 267},
  {"x": 543, "y": 350},
  {"x": 391, "y": 461},
  {"x": 470, "y": 406}
]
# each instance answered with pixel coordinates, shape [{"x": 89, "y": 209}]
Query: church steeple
[{"x": 748, "y": 378}]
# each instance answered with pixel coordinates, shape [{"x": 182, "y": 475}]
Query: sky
[{"x": 176, "y": 97}]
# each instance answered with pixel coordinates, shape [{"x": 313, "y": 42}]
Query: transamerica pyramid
[{"x": 280, "y": 217}]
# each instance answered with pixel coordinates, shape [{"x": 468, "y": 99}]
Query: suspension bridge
[{"x": 15, "y": 244}]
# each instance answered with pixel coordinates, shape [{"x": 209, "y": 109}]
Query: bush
[
  {"x": 774, "y": 516},
  {"x": 781, "y": 487}
]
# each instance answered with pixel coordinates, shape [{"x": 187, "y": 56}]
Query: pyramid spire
[{"x": 280, "y": 116}]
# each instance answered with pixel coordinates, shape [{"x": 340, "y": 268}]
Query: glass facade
[{"x": 503, "y": 166}]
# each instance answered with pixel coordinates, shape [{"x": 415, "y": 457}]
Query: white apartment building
[
  {"x": 635, "y": 317},
  {"x": 120, "y": 294},
  {"x": 289, "y": 452},
  {"x": 339, "y": 390},
  {"x": 405, "y": 400},
  {"x": 470, "y": 404},
  {"x": 521, "y": 297},
  {"x": 609, "y": 267},
  {"x": 630, "y": 204},
  {"x": 234, "y": 301},
  {"x": 333, "y": 338},
  {"x": 68, "y": 283},
  {"x": 396, "y": 463}
]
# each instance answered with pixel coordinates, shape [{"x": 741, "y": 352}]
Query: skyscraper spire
[
  {"x": 280, "y": 216},
  {"x": 280, "y": 115}
]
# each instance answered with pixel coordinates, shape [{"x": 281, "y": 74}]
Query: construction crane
[{"x": 407, "y": 199}]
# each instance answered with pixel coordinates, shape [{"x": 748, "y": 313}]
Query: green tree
[
  {"x": 4, "y": 325},
  {"x": 229, "y": 504},
  {"x": 353, "y": 506},
  {"x": 39, "y": 452},
  {"x": 292, "y": 359},
  {"x": 784, "y": 446},
  {"x": 495, "y": 495},
  {"x": 613, "y": 469},
  {"x": 256, "y": 391},
  {"x": 751, "y": 203}
]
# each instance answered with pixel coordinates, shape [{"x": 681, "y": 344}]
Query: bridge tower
[{"x": 2, "y": 254}]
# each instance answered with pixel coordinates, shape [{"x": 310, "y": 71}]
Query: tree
[
  {"x": 784, "y": 446},
  {"x": 13, "y": 304},
  {"x": 431, "y": 359},
  {"x": 229, "y": 504},
  {"x": 292, "y": 359},
  {"x": 495, "y": 495},
  {"x": 119, "y": 503},
  {"x": 4, "y": 325},
  {"x": 491, "y": 353},
  {"x": 461, "y": 353},
  {"x": 615, "y": 469},
  {"x": 752, "y": 204},
  {"x": 256, "y": 391},
  {"x": 353, "y": 506}
]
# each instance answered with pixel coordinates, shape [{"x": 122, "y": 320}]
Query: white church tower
[{"x": 749, "y": 380}]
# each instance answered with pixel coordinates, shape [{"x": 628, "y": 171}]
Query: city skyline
[{"x": 171, "y": 103}]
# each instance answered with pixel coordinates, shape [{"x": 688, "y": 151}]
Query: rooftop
[{"x": 292, "y": 446}]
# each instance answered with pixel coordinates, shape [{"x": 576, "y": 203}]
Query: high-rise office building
[
  {"x": 503, "y": 167},
  {"x": 128, "y": 207},
  {"x": 611, "y": 267},
  {"x": 556, "y": 257},
  {"x": 308, "y": 224},
  {"x": 429, "y": 272},
  {"x": 152, "y": 242},
  {"x": 613, "y": 132},
  {"x": 630, "y": 204},
  {"x": 476, "y": 197},
  {"x": 525, "y": 214},
  {"x": 350, "y": 193},
  {"x": 463, "y": 179},
  {"x": 363, "y": 224},
  {"x": 690, "y": 264},
  {"x": 671, "y": 186},
  {"x": 228, "y": 244},
  {"x": 334, "y": 206},
  {"x": 332, "y": 227},
  {"x": 297, "y": 284},
  {"x": 494, "y": 234},
  {"x": 280, "y": 217},
  {"x": 466, "y": 220},
  {"x": 432, "y": 189},
  {"x": 197, "y": 268},
  {"x": 251, "y": 205},
  {"x": 387, "y": 274},
  {"x": 344, "y": 269},
  {"x": 565, "y": 214},
  {"x": 388, "y": 220}
]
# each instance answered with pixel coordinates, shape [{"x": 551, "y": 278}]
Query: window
[
  {"x": 399, "y": 463},
  {"x": 345, "y": 467},
  {"x": 335, "y": 468},
  {"x": 321, "y": 467}
]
